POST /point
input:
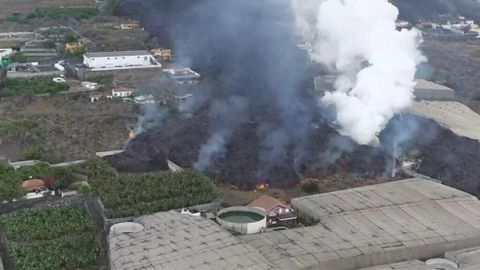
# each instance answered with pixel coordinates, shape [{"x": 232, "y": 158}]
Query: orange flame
[
  {"x": 261, "y": 187},
  {"x": 131, "y": 134}
]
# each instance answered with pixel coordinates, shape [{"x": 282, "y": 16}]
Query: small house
[
  {"x": 278, "y": 213},
  {"x": 162, "y": 53},
  {"x": 130, "y": 25},
  {"x": 94, "y": 97},
  {"x": 121, "y": 92},
  {"x": 33, "y": 184}
]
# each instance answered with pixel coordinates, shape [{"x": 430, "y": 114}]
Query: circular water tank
[
  {"x": 126, "y": 227},
  {"x": 442, "y": 264},
  {"x": 244, "y": 220}
]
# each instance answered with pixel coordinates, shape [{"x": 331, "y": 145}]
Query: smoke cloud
[
  {"x": 226, "y": 116},
  {"x": 375, "y": 63}
]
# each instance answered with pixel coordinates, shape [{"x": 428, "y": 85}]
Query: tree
[
  {"x": 63, "y": 177},
  {"x": 10, "y": 184},
  {"x": 69, "y": 37}
]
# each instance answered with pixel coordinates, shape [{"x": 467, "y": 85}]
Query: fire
[
  {"x": 261, "y": 187},
  {"x": 131, "y": 134}
]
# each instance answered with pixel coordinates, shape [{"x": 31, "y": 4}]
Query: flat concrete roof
[
  {"x": 381, "y": 224},
  {"x": 450, "y": 114},
  {"x": 171, "y": 240},
  {"x": 429, "y": 85},
  {"x": 116, "y": 53},
  {"x": 416, "y": 265},
  {"x": 408, "y": 265},
  {"x": 374, "y": 225}
]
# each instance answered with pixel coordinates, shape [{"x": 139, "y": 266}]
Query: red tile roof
[
  {"x": 267, "y": 203},
  {"x": 33, "y": 184}
]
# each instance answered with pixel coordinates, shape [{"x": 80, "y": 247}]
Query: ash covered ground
[{"x": 254, "y": 116}]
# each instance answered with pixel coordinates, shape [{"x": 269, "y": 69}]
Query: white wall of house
[
  {"x": 118, "y": 61},
  {"x": 121, "y": 93}
]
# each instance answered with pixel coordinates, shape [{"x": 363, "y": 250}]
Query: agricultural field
[
  {"x": 141, "y": 194},
  {"x": 33, "y": 86},
  {"x": 10, "y": 7},
  {"x": 51, "y": 238}
]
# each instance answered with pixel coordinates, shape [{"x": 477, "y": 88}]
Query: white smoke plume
[{"x": 375, "y": 63}]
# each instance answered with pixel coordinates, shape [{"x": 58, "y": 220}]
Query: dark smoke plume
[{"x": 248, "y": 50}]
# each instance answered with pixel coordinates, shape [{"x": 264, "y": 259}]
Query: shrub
[
  {"x": 33, "y": 153},
  {"x": 84, "y": 188},
  {"x": 10, "y": 184}
]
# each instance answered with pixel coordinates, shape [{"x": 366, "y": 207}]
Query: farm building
[
  {"x": 428, "y": 90},
  {"x": 119, "y": 60}
]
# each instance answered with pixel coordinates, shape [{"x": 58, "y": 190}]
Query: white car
[{"x": 192, "y": 212}]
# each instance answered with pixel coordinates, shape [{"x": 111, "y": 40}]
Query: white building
[
  {"x": 5, "y": 52},
  {"x": 119, "y": 60},
  {"x": 121, "y": 92}
]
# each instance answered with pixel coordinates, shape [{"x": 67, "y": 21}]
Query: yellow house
[
  {"x": 75, "y": 47},
  {"x": 162, "y": 53}
]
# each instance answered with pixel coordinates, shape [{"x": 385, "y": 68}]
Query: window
[{"x": 145, "y": 58}]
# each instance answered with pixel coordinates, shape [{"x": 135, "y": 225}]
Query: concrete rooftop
[
  {"x": 375, "y": 225},
  {"x": 171, "y": 240},
  {"x": 450, "y": 114}
]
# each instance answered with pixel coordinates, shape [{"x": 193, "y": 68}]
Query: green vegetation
[
  {"x": 47, "y": 238},
  {"x": 18, "y": 57},
  {"x": 33, "y": 153},
  {"x": 67, "y": 12},
  {"x": 33, "y": 86},
  {"x": 10, "y": 184},
  {"x": 132, "y": 195},
  {"x": 101, "y": 79},
  {"x": 20, "y": 17},
  {"x": 11, "y": 180},
  {"x": 46, "y": 223},
  {"x": 73, "y": 252},
  {"x": 69, "y": 37},
  {"x": 17, "y": 129}
]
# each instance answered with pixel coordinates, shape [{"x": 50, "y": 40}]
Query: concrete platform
[
  {"x": 450, "y": 114},
  {"x": 375, "y": 225}
]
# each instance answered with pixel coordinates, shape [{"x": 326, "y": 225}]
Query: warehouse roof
[
  {"x": 171, "y": 240},
  {"x": 117, "y": 53},
  {"x": 424, "y": 84},
  {"x": 450, "y": 114},
  {"x": 374, "y": 225}
]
